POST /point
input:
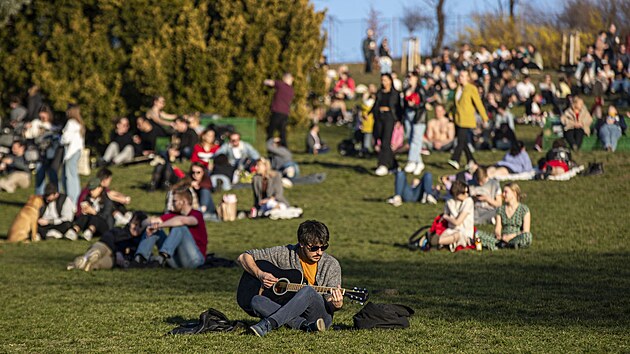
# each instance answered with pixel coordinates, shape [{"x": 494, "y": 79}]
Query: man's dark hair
[
  {"x": 181, "y": 119},
  {"x": 19, "y": 142},
  {"x": 50, "y": 189},
  {"x": 104, "y": 173},
  {"x": 16, "y": 100},
  {"x": 312, "y": 232}
]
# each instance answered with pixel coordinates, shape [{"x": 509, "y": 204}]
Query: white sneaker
[
  {"x": 418, "y": 170},
  {"x": 88, "y": 234},
  {"x": 286, "y": 183},
  {"x": 54, "y": 234},
  {"x": 425, "y": 152},
  {"x": 381, "y": 171},
  {"x": 411, "y": 166},
  {"x": 71, "y": 235},
  {"x": 454, "y": 164},
  {"x": 431, "y": 199},
  {"x": 395, "y": 201},
  {"x": 119, "y": 219}
]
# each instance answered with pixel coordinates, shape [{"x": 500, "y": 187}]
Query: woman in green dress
[{"x": 513, "y": 222}]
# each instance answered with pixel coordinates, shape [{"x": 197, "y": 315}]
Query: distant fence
[{"x": 345, "y": 36}]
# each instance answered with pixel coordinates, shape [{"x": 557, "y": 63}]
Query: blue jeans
[
  {"x": 415, "y": 133},
  {"x": 305, "y": 307},
  {"x": 45, "y": 168},
  {"x": 205, "y": 200},
  {"x": 621, "y": 85},
  {"x": 179, "y": 245},
  {"x": 409, "y": 193},
  {"x": 70, "y": 177},
  {"x": 609, "y": 134},
  {"x": 295, "y": 166}
]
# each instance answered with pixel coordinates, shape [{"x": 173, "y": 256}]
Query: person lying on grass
[
  {"x": 513, "y": 222},
  {"x": 116, "y": 247}
]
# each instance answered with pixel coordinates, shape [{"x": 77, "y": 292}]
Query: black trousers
[
  {"x": 574, "y": 137},
  {"x": 278, "y": 121},
  {"x": 85, "y": 221},
  {"x": 383, "y": 129},
  {"x": 63, "y": 227},
  {"x": 462, "y": 144},
  {"x": 368, "y": 63}
]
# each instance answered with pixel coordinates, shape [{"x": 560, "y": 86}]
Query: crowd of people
[{"x": 470, "y": 97}]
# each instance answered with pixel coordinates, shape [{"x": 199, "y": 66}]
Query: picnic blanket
[{"x": 526, "y": 176}]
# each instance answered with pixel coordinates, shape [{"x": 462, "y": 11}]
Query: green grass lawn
[{"x": 567, "y": 293}]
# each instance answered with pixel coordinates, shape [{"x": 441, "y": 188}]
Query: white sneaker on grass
[
  {"x": 54, "y": 234},
  {"x": 381, "y": 171},
  {"x": 395, "y": 201},
  {"x": 71, "y": 235},
  {"x": 88, "y": 234},
  {"x": 411, "y": 166},
  {"x": 418, "y": 170},
  {"x": 431, "y": 199},
  {"x": 454, "y": 164}
]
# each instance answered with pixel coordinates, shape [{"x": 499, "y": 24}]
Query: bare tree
[
  {"x": 413, "y": 18},
  {"x": 374, "y": 22},
  {"x": 440, "y": 18}
]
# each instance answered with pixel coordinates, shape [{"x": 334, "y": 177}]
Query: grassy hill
[{"x": 568, "y": 292}]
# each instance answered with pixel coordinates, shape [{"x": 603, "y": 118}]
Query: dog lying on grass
[{"x": 25, "y": 221}]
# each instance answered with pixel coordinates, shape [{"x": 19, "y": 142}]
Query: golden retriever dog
[{"x": 25, "y": 221}]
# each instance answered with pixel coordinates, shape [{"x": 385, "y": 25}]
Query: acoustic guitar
[{"x": 290, "y": 281}]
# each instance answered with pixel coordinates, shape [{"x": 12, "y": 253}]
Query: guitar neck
[{"x": 293, "y": 287}]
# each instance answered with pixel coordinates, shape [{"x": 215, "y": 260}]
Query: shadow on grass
[
  {"x": 356, "y": 168},
  {"x": 12, "y": 203}
]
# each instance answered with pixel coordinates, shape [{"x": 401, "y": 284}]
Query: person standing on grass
[
  {"x": 307, "y": 310},
  {"x": 185, "y": 245},
  {"x": 73, "y": 140},
  {"x": 280, "y": 106},
  {"x": 467, "y": 101},
  {"x": 386, "y": 110},
  {"x": 369, "y": 50}
]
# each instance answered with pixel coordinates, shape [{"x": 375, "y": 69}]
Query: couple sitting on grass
[{"x": 512, "y": 228}]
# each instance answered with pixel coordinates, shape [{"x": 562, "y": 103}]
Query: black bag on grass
[
  {"x": 390, "y": 316},
  {"x": 211, "y": 320}
]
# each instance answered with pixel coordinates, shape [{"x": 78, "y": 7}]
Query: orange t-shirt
[{"x": 309, "y": 271}]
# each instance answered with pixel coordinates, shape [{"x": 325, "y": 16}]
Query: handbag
[{"x": 227, "y": 209}]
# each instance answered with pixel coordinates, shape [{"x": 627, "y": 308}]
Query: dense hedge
[{"x": 111, "y": 56}]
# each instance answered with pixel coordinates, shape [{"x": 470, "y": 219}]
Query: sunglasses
[
  {"x": 317, "y": 248},
  {"x": 197, "y": 172}
]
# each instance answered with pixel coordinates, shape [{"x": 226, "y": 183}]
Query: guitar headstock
[{"x": 359, "y": 295}]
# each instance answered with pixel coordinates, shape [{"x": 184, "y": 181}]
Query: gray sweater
[
  {"x": 279, "y": 155},
  {"x": 286, "y": 257}
]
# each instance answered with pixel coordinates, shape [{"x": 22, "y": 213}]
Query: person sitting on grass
[
  {"x": 186, "y": 243},
  {"x": 459, "y": 213},
  {"x": 513, "y": 222},
  {"x": 115, "y": 247},
  {"x": 56, "y": 216},
  {"x": 610, "y": 129},
  {"x": 268, "y": 189},
  {"x": 314, "y": 143},
  {"x": 420, "y": 190},
  {"x": 557, "y": 161},
  {"x": 440, "y": 131},
  {"x": 185, "y": 138},
  {"x": 282, "y": 161},
  {"x": 94, "y": 214},
  {"x": 307, "y": 310},
  {"x": 576, "y": 121},
  {"x": 203, "y": 151},
  {"x": 486, "y": 195},
  {"x": 202, "y": 186},
  {"x": 240, "y": 154},
  {"x": 120, "y": 200},
  {"x": 121, "y": 148},
  {"x": 515, "y": 161},
  {"x": 14, "y": 169}
]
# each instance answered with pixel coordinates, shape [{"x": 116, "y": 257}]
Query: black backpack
[
  {"x": 211, "y": 320},
  {"x": 390, "y": 316}
]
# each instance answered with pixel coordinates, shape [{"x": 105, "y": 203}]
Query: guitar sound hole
[{"x": 280, "y": 287}]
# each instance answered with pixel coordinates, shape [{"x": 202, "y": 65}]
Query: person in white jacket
[{"x": 72, "y": 138}]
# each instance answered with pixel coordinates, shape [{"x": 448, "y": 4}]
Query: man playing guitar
[{"x": 307, "y": 310}]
